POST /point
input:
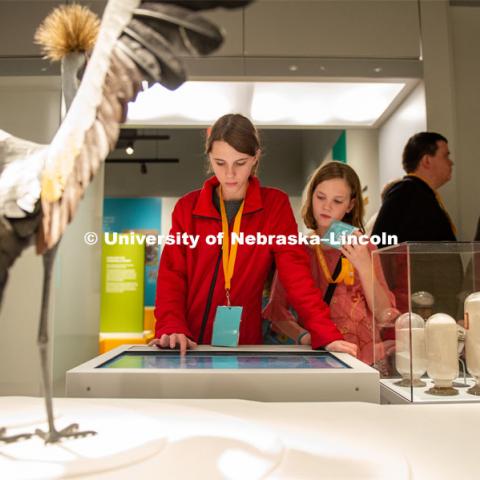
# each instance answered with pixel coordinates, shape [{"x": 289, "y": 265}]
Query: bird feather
[{"x": 136, "y": 41}]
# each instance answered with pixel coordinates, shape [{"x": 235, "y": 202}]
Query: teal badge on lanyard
[{"x": 226, "y": 326}]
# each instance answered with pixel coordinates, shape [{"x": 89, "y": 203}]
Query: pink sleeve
[
  {"x": 278, "y": 312},
  {"x": 277, "y": 307}
]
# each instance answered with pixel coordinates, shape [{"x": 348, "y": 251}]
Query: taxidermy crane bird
[{"x": 42, "y": 185}]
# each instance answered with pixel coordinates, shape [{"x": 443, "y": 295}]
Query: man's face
[{"x": 441, "y": 164}]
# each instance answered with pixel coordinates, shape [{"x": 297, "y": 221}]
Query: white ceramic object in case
[
  {"x": 472, "y": 339},
  {"x": 410, "y": 364},
  {"x": 442, "y": 354}
]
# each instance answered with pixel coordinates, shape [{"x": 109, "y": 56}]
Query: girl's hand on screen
[
  {"x": 342, "y": 346},
  {"x": 172, "y": 340}
]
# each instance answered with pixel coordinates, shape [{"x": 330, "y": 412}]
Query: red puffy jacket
[{"x": 185, "y": 273}]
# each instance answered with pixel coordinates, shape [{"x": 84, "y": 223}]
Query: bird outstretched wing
[{"x": 137, "y": 40}]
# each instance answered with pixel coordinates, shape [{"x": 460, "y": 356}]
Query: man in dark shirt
[{"x": 413, "y": 210}]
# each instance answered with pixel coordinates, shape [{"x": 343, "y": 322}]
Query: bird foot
[
  {"x": 54, "y": 436},
  {"x": 13, "y": 438}
]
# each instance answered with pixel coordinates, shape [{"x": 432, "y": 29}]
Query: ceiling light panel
[{"x": 307, "y": 104}]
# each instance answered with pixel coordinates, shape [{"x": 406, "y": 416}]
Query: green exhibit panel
[
  {"x": 122, "y": 288},
  {"x": 144, "y": 217}
]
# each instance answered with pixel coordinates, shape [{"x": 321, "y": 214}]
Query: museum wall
[
  {"x": 269, "y": 28},
  {"x": 317, "y": 147},
  {"x": 451, "y": 36},
  {"x": 318, "y": 28},
  {"x": 362, "y": 155},
  {"x": 439, "y": 84},
  {"x": 465, "y": 22},
  {"x": 408, "y": 119}
]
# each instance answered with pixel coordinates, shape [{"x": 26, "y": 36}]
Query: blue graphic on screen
[{"x": 143, "y": 215}]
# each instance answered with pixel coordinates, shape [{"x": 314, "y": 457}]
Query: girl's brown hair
[
  {"x": 329, "y": 171},
  {"x": 238, "y": 131}
]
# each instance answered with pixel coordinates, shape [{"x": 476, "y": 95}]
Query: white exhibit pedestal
[
  {"x": 242, "y": 439},
  {"x": 145, "y": 438}
]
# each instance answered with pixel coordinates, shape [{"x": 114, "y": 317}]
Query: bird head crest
[{"x": 68, "y": 28}]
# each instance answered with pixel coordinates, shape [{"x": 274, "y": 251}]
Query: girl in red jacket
[{"x": 193, "y": 282}]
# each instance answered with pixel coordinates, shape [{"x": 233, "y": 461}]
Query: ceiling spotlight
[
  {"x": 129, "y": 150},
  {"x": 293, "y": 68},
  {"x": 377, "y": 69},
  {"x": 143, "y": 168}
]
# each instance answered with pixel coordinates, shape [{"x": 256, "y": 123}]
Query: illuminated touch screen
[{"x": 225, "y": 360}]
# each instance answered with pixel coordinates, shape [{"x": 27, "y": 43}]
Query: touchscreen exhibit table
[{"x": 262, "y": 373}]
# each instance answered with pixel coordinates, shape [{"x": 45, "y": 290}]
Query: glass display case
[{"x": 427, "y": 346}]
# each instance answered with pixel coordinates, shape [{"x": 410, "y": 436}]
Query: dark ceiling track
[
  {"x": 465, "y": 3},
  {"x": 135, "y": 134},
  {"x": 142, "y": 160},
  {"x": 128, "y": 136},
  {"x": 150, "y": 136}
]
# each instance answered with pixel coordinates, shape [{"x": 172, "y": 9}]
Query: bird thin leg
[{"x": 53, "y": 435}]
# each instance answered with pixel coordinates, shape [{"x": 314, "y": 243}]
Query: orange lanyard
[
  {"x": 346, "y": 274},
  {"x": 229, "y": 254}
]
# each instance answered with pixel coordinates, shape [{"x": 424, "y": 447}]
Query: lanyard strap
[
  {"x": 229, "y": 253},
  {"x": 346, "y": 274},
  {"x": 327, "y": 297}
]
